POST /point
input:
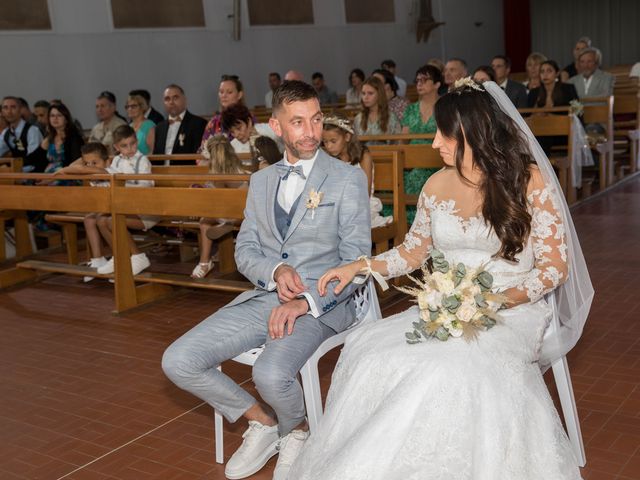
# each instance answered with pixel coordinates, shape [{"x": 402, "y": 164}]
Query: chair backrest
[{"x": 366, "y": 303}]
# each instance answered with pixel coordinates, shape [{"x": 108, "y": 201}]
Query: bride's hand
[{"x": 344, "y": 274}]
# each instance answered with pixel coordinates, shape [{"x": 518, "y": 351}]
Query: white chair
[
  {"x": 367, "y": 310},
  {"x": 565, "y": 390}
]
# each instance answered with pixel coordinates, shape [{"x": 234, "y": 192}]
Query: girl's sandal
[{"x": 201, "y": 270}]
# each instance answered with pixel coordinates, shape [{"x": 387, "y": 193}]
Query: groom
[{"x": 304, "y": 215}]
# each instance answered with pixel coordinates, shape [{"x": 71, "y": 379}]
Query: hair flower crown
[
  {"x": 468, "y": 82},
  {"x": 336, "y": 121}
]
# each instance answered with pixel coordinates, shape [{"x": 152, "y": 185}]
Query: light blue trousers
[{"x": 191, "y": 361}]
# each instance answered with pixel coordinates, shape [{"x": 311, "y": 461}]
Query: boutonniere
[
  {"x": 181, "y": 138},
  {"x": 313, "y": 201}
]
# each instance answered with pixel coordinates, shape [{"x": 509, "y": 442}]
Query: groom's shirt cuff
[
  {"x": 313, "y": 308},
  {"x": 272, "y": 283}
]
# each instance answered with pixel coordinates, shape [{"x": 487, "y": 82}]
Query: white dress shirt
[
  {"x": 172, "y": 132},
  {"x": 587, "y": 84}
]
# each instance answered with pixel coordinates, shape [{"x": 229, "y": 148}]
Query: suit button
[
  {"x": 288, "y": 223},
  {"x": 285, "y": 255}
]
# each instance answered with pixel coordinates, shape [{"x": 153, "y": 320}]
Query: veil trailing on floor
[{"x": 575, "y": 295}]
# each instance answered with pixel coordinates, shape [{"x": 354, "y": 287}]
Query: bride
[{"x": 456, "y": 410}]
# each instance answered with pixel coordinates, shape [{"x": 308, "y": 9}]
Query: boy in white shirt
[{"x": 99, "y": 227}]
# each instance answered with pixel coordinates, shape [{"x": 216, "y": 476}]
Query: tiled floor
[{"x": 82, "y": 395}]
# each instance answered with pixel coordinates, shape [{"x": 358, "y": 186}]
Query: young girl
[
  {"x": 222, "y": 161},
  {"x": 340, "y": 141},
  {"x": 375, "y": 118}
]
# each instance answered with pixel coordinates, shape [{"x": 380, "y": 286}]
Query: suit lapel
[
  {"x": 273, "y": 180},
  {"x": 181, "y": 131},
  {"x": 314, "y": 182}
]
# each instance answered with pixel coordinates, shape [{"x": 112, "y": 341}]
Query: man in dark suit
[
  {"x": 182, "y": 131},
  {"x": 516, "y": 91}
]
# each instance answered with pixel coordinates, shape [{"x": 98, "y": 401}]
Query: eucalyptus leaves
[{"x": 454, "y": 301}]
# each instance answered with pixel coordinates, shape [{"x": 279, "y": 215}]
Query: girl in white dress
[{"x": 459, "y": 410}]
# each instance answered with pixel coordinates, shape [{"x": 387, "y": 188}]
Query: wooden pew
[
  {"x": 557, "y": 125},
  {"x": 388, "y": 168},
  {"x": 170, "y": 201},
  {"x": 43, "y": 198},
  {"x": 627, "y": 128},
  {"x": 600, "y": 110}
]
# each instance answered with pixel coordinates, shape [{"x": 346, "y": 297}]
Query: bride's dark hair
[{"x": 500, "y": 152}]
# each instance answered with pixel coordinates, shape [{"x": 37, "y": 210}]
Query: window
[{"x": 157, "y": 13}]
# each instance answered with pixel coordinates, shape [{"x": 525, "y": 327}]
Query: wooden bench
[
  {"x": 600, "y": 110},
  {"x": 627, "y": 128},
  {"x": 388, "y": 168},
  {"x": 549, "y": 125}
]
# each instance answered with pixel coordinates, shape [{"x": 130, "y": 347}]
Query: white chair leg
[
  {"x": 218, "y": 434},
  {"x": 312, "y": 395},
  {"x": 569, "y": 411}
]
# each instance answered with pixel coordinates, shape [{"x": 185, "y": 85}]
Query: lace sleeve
[
  {"x": 549, "y": 249},
  {"x": 415, "y": 249}
]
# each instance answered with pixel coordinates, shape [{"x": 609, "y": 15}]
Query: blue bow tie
[{"x": 285, "y": 171}]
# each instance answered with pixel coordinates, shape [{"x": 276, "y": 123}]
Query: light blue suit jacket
[{"x": 338, "y": 233}]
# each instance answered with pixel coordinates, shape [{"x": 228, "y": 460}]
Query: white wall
[{"x": 84, "y": 55}]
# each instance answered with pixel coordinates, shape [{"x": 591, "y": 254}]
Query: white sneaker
[
  {"x": 95, "y": 263},
  {"x": 290, "y": 447},
  {"x": 259, "y": 445},
  {"x": 107, "y": 268},
  {"x": 139, "y": 263}
]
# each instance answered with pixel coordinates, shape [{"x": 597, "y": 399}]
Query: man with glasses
[
  {"x": 102, "y": 132},
  {"x": 516, "y": 91}
]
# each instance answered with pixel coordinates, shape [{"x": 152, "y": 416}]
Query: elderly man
[
  {"x": 516, "y": 91},
  {"x": 454, "y": 69},
  {"x": 102, "y": 132},
  {"x": 21, "y": 139},
  {"x": 294, "y": 75},
  {"x": 591, "y": 81}
]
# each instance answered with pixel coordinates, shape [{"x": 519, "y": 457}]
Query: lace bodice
[{"x": 541, "y": 266}]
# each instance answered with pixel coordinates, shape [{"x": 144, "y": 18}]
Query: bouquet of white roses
[{"x": 454, "y": 301}]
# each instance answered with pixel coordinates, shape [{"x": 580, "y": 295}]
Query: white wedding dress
[{"x": 450, "y": 410}]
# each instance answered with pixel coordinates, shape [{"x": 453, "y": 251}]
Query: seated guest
[
  {"x": 436, "y": 62},
  {"x": 390, "y": 66},
  {"x": 551, "y": 92},
  {"x": 181, "y": 132},
  {"x": 63, "y": 143},
  {"x": 145, "y": 129},
  {"x": 222, "y": 161},
  {"x": 266, "y": 152},
  {"x": 274, "y": 82},
  {"x": 356, "y": 79},
  {"x": 516, "y": 92},
  {"x": 534, "y": 60},
  {"x": 26, "y": 113},
  {"x": 237, "y": 120},
  {"x": 418, "y": 117},
  {"x": 21, "y": 139},
  {"x": 108, "y": 120},
  {"x": 454, "y": 69},
  {"x": 571, "y": 70},
  {"x": 592, "y": 81},
  {"x": 41, "y": 111},
  {"x": 397, "y": 104},
  {"x": 375, "y": 117},
  {"x": 293, "y": 75},
  {"x": 325, "y": 95},
  {"x": 230, "y": 92},
  {"x": 484, "y": 73},
  {"x": 151, "y": 113}
]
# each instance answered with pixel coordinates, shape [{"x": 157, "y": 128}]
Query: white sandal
[{"x": 201, "y": 270}]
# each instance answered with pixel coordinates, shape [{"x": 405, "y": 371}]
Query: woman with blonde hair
[
  {"x": 145, "y": 129},
  {"x": 222, "y": 161},
  {"x": 375, "y": 118},
  {"x": 534, "y": 60}
]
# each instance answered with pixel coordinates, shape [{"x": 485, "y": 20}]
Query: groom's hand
[
  {"x": 288, "y": 283},
  {"x": 286, "y": 314}
]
